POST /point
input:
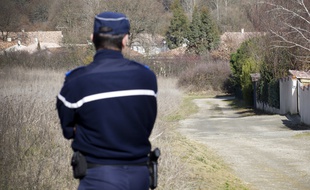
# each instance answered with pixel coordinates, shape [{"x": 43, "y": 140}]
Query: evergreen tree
[
  {"x": 211, "y": 33},
  {"x": 204, "y": 35},
  {"x": 194, "y": 35},
  {"x": 243, "y": 63},
  {"x": 178, "y": 28}
]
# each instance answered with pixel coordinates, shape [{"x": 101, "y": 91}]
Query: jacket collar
[{"x": 108, "y": 54}]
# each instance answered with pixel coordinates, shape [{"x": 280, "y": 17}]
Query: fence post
[{"x": 255, "y": 77}]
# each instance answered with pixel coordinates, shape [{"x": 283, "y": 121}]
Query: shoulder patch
[
  {"x": 69, "y": 72},
  {"x": 147, "y": 67}
]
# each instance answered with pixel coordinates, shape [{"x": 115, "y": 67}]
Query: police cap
[{"x": 114, "y": 23}]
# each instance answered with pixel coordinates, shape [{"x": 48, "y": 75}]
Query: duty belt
[{"x": 92, "y": 165}]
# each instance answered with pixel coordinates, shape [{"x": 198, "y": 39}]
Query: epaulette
[
  {"x": 73, "y": 70},
  {"x": 147, "y": 67}
]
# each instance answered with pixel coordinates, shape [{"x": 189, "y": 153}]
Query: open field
[{"x": 34, "y": 155}]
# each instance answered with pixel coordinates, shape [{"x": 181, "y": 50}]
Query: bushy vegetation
[
  {"x": 258, "y": 56},
  {"x": 244, "y": 62},
  {"x": 205, "y": 77},
  {"x": 32, "y": 153},
  {"x": 62, "y": 58},
  {"x": 195, "y": 74}
]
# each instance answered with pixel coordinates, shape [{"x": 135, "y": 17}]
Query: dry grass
[{"x": 34, "y": 154}]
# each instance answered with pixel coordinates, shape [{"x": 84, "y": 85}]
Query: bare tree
[
  {"x": 188, "y": 6},
  {"x": 290, "y": 24},
  {"x": 146, "y": 16},
  {"x": 9, "y": 18},
  {"x": 75, "y": 18},
  {"x": 230, "y": 15}
]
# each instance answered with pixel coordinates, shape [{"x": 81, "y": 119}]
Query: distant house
[
  {"x": 148, "y": 44},
  {"x": 29, "y": 41},
  {"x": 137, "y": 46}
]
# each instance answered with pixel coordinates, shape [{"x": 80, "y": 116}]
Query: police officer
[{"x": 109, "y": 108}]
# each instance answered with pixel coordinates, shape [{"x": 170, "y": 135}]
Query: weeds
[
  {"x": 205, "y": 76},
  {"x": 33, "y": 153},
  {"x": 62, "y": 58},
  {"x": 303, "y": 135},
  {"x": 186, "y": 108},
  {"x": 194, "y": 73}
]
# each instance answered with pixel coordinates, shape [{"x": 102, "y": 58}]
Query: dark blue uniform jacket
[{"x": 112, "y": 104}]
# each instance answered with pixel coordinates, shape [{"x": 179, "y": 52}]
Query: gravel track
[{"x": 265, "y": 151}]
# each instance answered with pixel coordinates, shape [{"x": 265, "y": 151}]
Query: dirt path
[{"x": 263, "y": 150}]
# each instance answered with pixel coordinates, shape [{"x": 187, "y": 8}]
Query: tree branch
[{"x": 293, "y": 25}]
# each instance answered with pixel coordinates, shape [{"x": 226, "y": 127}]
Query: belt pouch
[{"x": 79, "y": 165}]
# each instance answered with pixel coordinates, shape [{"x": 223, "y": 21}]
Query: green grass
[
  {"x": 206, "y": 170},
  {"x": 187, "y": 108},
  {"x": 202, "y": 167},
  {"x": 303, "y": 135}
]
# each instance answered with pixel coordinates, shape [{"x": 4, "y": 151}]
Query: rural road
[{"x": 267, "y": 152}]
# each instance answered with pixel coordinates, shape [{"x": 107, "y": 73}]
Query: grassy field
[{"x": 34, "y": 155}]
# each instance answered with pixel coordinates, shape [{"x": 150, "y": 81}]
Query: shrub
[
  {"x": 62, "y": 58},
  {"x": 33, "y": 154},
  {"x": 274, "y": 93},
  {"x": 269, "y": 92},
  {"x": 210, "y": 76},
  {"x": 245, "y": 61},
  {"x": 248, "y": 67}
]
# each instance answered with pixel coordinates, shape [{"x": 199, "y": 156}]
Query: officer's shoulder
[
  {"x": 75, "y": 70},
  {"x": 143, "y": 66}
]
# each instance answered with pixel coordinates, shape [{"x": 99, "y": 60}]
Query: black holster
[
  {"x": 153, "y": 167},
  {"x": 79, "y": 165}
]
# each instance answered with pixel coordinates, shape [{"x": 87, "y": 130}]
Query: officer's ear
[
  {"x": 91, "y": 37},
  {"x": 124, "y": 41}
]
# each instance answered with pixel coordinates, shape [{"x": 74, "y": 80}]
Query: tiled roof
[
  {"x": 174, "y": 52},
  {"x": 131, "y": 53},
  {"x": 300, "y": 74},
  {"x": 5, "y": 45},
  {"x": 28, "y": 38}
]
